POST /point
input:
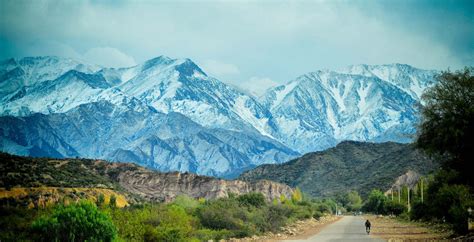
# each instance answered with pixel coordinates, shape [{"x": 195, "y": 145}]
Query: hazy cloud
[
  {"x": 217, "y": 68},
  {"x": 109, "y": 57},
  {"x": 279, "y": 40}
]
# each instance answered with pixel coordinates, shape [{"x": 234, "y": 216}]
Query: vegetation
[
  {"x": 76, "y": 222},
  {"x": 378, "y": 203},
  {"x": 185, "y": 219},
  {"x": 350, "y": 200},
  {"x": 350, "y": 166},
  {"x": 446, "y": 133}
]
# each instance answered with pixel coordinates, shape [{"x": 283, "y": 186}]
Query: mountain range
[{"x": 168, "y": 114}]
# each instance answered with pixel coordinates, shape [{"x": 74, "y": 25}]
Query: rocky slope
[
  {"x": 135, "y": 181},
  {"x": 349, "y": 166}
]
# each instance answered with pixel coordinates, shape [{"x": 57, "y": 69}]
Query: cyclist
[{"x": 367, "y": 226}]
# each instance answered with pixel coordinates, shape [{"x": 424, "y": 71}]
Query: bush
[
  {"x": 277, "y": 216},
  {"x": 317, "y": 215},
  {"x": 394, "y": 207},
  {"x": 77, "y": 222},
  {"x": 172, "y": 220},
  {"x": 451, "y": 202},
  {"x": 113, "y": 201},
  {"x": 254, "y": 199},
  {"x": 419, "y": 211},
  {"x": 208, "y": 234},
  {"x": 224, "y": 213},
  {"x": 186, "y": 202}
]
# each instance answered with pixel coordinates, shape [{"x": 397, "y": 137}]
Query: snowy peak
[
  {"x": 366, "y": 103},
  {"x": 93, "y": 80},
  {"x": 410, "y": 79}
]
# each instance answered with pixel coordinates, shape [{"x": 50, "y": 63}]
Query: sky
[{"x": 249, "y": 44}]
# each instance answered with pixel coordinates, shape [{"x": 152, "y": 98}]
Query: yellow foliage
[
  {"x": 297, "y": 196},
  {"x": 48, "y": 196}
]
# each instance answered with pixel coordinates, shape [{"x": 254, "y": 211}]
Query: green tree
[
  {"x": 100, "y": 200},
  {"x": 446, "y": 133},
  {"x": 354, "y": 201},
  {"x": 113, "y": 201},
  {"x": 76, "y": 222},
  {"x": 448, "y": 120},
  {"x": 375, "y": 202}
]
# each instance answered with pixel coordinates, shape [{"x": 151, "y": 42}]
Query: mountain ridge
[
  {"x": 351, "y": 165},
  {"x": 317, "y": 110}
]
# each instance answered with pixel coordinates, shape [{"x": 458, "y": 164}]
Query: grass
[{"x": 397, "y": 229}]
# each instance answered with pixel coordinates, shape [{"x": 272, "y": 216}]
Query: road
[{"x": 349, "y": 228}]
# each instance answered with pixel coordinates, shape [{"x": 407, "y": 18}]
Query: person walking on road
[{"x": 367, "y": 226}]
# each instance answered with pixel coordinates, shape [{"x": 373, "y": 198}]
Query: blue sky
[{"x": 251, "y": 44}]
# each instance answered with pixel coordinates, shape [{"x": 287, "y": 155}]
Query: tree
[
  {"x": 113, "y": 201},
  {"x": 76, "y": 222},
  {"x": 375, "y": 202},
  {"x": 297, "y": 196},
  {"x": 100, "y": 200},
  {"x": 354, "y": 201},
  {"x": 448, "y": 120}
]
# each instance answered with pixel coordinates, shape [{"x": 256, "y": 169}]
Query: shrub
[
  {"x": 419, "y": 211},
  {"x": 317, "y": 215},
  {"x": 297, "y": 196},
  {"x": 277, "y": 216},
  {"x": 77, "y": 222},
  {"x": 186, "y": 202},
  {"x": 113, "y": 201},
  {"x": 394, "y": 207},
  {"x": 208, "y": 234},
  {"x": 100, "y": 200},
  {"x": 254, "y": 199},
  {"x": 222, "y": 213}
]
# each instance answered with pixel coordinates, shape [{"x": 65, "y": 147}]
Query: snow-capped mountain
[
  {"x": 148, "y": 137},
  {"x": 411, "y": 80},
  {"x": 318, "y": 110},
  {"x": 161, "y": 100},
  {"x": 17, "y": 73},
  {"x": 169, "y": 114}
]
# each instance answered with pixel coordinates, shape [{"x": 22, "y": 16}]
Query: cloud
[
  {"x": 278, "y": 39},
  {"x": 217, "y": 68},
  {"x": 108, "y": 57},
  {"x": 256, "y": 85}
]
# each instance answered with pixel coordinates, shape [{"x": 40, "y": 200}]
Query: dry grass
[
  {"x": 47, "y": 196},
  {"x": 392, "y": 229}
]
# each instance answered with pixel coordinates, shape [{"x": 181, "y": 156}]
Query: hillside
[
  {"x": 349, "y": 166},
  {"x": 31, "y": 180}
]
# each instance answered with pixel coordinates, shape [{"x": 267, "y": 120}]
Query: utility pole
[
  {"x": 421, "y": 190},
  {"x": 399, "y": 191},
  {"x": 336, "y": 209},
  {"x": 391, "y": 191},
  {"x": 408, "y": 189}
]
